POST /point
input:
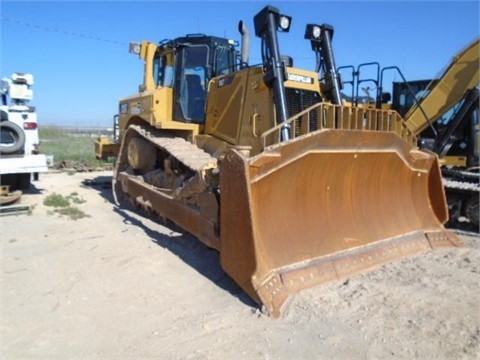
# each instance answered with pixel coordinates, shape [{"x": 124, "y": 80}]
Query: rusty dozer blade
[{"x": 325, "y": 206}]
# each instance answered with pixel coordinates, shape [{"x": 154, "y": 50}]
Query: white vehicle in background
[{"x": 20, "y": 157}]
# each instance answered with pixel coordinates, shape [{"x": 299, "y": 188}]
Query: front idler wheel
[{"x": 142, "y": 155}]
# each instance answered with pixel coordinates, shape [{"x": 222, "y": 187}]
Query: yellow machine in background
[
  {"x": 447, "y": 121},
  {"x": 291, "y": 187},
  {"x": 447, "y": 90}
]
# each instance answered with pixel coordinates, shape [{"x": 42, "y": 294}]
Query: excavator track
[
  {"x": 191, "y": 202},
  {"x": 461, "y": 185},
  {"x": 463, "y": 191}
]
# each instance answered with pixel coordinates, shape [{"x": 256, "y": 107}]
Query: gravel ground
[{"x": 116, "y": 285}]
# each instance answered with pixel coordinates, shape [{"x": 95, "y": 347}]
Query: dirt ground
[{"x": 116, "y": 285}]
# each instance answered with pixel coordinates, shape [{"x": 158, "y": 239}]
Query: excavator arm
[{"x": 447, "y": 90}]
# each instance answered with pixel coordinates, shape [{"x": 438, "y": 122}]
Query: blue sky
[{"x": 78, "y": 50}]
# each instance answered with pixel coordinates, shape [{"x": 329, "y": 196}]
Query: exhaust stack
[{"x": 245, "y": 50}]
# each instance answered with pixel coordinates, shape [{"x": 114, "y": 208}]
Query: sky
[{"x": 78, "y": 50}]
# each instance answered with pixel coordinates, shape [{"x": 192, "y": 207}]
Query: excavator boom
[{"x": 447, "y": 90}]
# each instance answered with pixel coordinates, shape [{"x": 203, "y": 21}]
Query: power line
[
  {"x": 84, "y": 36},
  {"x": 59, "y": 31}
]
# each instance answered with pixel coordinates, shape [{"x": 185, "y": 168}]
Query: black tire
[{"x": 12, "y": 138}]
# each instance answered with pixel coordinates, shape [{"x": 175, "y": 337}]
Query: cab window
[
  {"x": 191, "y": 88},
  {"x": 224, "y": 61},
  {"x": 164, "y": 71}
]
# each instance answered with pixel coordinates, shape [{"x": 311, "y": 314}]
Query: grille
[{"x": 298, "y": 100}]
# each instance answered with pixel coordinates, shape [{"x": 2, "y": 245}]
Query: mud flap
[{"x": 325, "y": 206}]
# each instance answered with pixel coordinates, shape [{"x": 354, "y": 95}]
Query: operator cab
[{"x": 186, "y": 65}]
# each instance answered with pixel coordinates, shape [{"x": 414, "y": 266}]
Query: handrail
[
  {"x": 416, "y": 101},
  {"x": 340, "y": 117}
]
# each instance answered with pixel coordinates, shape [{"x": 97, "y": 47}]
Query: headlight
[
  {"x": 284, "y": 22},
  {"x": 313, "y": 32}
]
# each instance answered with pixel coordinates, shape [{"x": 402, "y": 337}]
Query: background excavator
[
  {"x": 265, "y": 165},
  {"x": 444, "y": 115}
]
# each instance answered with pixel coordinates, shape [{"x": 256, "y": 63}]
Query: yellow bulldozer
[{"x": 264, "y": 164}]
